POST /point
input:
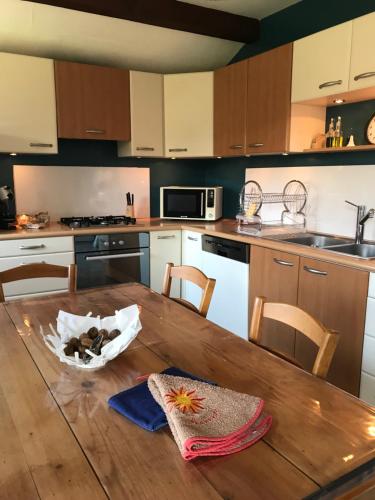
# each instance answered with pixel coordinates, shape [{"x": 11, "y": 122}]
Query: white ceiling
[
  {"x": 45, "y": 31},
  {"x": 42, "y": 30},
  {"x": 249, "y": 8}
]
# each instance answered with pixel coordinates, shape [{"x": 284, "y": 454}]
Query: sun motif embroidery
[{"x": 184, "y": 401}]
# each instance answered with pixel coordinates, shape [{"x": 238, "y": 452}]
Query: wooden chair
[
  {"x": 38, "y": 270},
  {"x": 295, "y": 317},
  {"x": 194, "y": 275}
]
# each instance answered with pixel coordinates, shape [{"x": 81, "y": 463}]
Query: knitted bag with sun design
[{"x": 208, "y": 420}]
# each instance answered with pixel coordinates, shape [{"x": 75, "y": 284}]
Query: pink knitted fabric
[{"x": 207, "y": 420}]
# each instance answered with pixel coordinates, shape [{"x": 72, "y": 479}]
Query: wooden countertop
[
  {"x": 60, "y": 439},
  {"x": 224, "y": 228}
]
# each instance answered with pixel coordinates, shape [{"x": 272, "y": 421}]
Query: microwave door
[{"x": 184, "y": 203}]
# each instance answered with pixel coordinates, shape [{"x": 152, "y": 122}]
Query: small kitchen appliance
[
  {"x": 191, "y": 203},
  {"x": 7, "y": 219}
]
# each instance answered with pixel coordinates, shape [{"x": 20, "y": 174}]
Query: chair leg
[{"x": 167, "y": 283}]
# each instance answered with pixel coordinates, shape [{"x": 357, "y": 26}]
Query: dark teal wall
[
  {"x": 104, "y": 153},
  {"x": 297, "y": 21},
  {"x": 303, "y": 19}
]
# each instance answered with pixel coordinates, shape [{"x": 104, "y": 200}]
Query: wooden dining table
[{"x": 60, "y": 439}]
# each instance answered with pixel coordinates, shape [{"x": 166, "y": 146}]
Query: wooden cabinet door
[
  {"x": 269, "y": 77},
  {"x": 230, "y": 88},
  {"x": 147, "y": 116},
  {"x": 274, "y": 275},
  {"x": 362, "y": 64},
  {"x": 336, "y": 296},
  {"x": 27, "y": 105},
  {"x": 321, "y": 63},
  {"x": 92, "y": 101},
  {"x": 188, "y": 114}
]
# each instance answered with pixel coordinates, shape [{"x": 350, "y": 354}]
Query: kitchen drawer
[
  {"x": 36, "y": 285},
  {"x": 368, "y": 358},
  {"x": 371, "y": 286},
  {"x": 36, "y": 246},
  {"x": 370, "y": 317},
  {"x": 367, "y": 393}
]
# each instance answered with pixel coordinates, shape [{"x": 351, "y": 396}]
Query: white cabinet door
[
  {"x": 146, "y": 115},
  {"x": 36, "y": 285},
  {"x": 321, "y": 63},
  {"x": 27, "y": 105},
  {"x": 188, "y": 112},
  {"x": 165, "y": 246},
  {"x": 191, "y": 256},
  {"x": 362, "y": 65}
]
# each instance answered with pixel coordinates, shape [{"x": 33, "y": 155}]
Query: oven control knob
[
  {"x": 113, "y": 243},
  {"x": 121, "y": 242},
  {"x": 105, "y": 243}
]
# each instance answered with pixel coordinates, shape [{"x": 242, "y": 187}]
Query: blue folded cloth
[{"x": 138, "y": 405}]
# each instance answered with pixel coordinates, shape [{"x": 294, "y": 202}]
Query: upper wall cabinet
[
  {"x": 268, "y": 111},
  {"x": 92, "y": 102},
  {"x": 147, "y": 116},
  {"x": 230, "y": 88},
  {"x": 27, "y": 105},
  {"x": 362, "y": 67},
  {"x": 188, "y": 114},
  {"x": 321, "y": 63}
]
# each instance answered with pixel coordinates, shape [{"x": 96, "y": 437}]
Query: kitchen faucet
[{"x": 362, "y": 218}]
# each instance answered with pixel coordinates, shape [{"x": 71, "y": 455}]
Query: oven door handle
[{"x": 116, "y": 256}]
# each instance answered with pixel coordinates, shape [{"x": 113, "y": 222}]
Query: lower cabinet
[
  {"x": 335, "y": 295},
  {"x": 165, "y": 246},
  {"x": 55, "y": 250},
  {"x": 191, "y": 256},
  {"x": 367, "y": 391},
  {"x": 274, "y": 275}
]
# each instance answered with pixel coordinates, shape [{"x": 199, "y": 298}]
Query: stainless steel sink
[
  {"x": 361, "y": 250},
  {"x": 316, "y": 240}
]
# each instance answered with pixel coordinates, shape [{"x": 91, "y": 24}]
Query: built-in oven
[{"x": 107, "y": 259}]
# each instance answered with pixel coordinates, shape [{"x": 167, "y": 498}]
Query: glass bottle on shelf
[
  {"x": 330, "y": 135},
  {"x": 339, "y": 138}
]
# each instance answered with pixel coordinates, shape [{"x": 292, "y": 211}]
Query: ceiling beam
[{"x": 170, "y": 14}]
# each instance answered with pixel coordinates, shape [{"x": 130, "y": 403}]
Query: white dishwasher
[{"x": 228, "y": 262}]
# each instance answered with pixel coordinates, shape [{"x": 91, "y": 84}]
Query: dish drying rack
[{"x": 293, "y": 197}]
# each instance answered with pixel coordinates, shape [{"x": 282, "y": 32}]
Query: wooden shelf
[{"x": 367, "y": 147}]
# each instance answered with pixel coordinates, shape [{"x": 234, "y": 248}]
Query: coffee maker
[{"x": 7, "y": 218}]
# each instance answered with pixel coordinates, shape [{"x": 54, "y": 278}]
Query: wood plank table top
[{"x": 59, "y": 438}]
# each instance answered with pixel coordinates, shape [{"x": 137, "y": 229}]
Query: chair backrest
[
  {"x": 194, "y": 275},
  {"x": 38, "y": 270},
  {"x": 299, "y": 319}
]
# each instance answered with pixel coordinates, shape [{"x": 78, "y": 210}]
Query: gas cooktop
[{"x": 99, "y": 221}]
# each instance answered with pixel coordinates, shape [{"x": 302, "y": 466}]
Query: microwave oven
[{"x": 191, "y": 203}]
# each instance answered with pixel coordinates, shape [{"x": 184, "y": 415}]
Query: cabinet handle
[
  {"x": 169, "y": 237},
  {"x": 192, "y": 239},
  {"x": 41, "y": 145},
  {"x": 330, "y": 84},
  {"x": 236, "y": 146},
  {"x": 314, "y": 271},
  {"x": 115, "y": 256},
  {"x": 32, "y": 247},
  {"x": 95, "y": 131},
  {"x": 177, "y": 150},
  {"x": 368, "y": 74},
  {"x": 144, "y": 148},
  {"x": 283, "y": 262},
  {"x": 255, "y": 145},
  {"x": 27, "y": 263}
]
